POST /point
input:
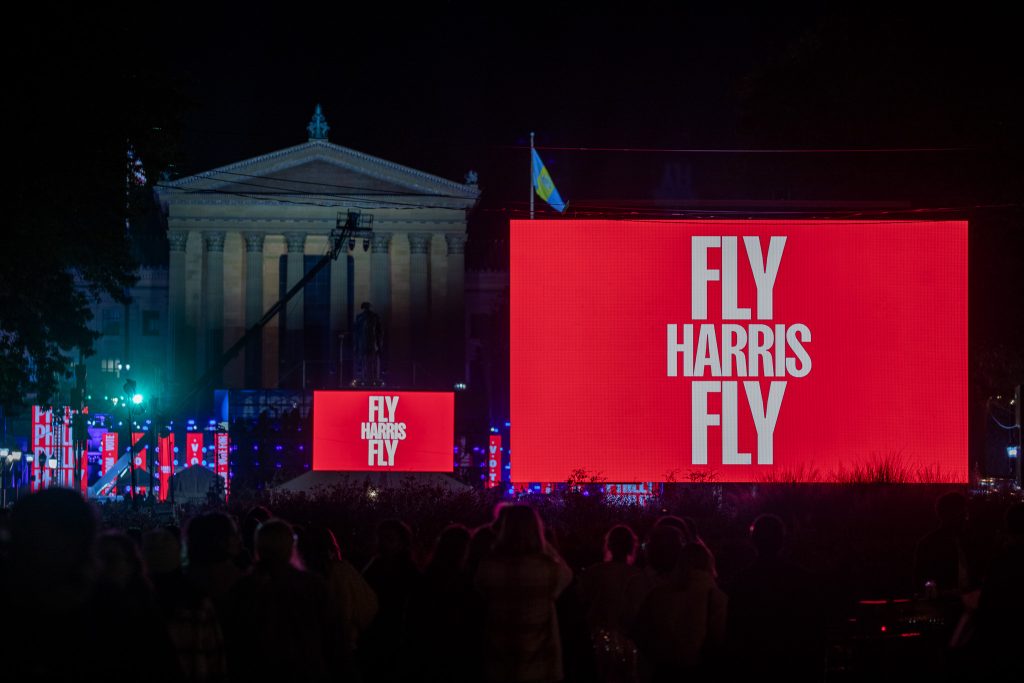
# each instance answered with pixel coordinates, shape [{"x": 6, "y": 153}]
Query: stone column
[
  {"x": 419, "y": 296},
  {"x": 253, "y": 307},
  {"x": 292, "y": 376},
  {"x": 340, "y": 316},
  {"x": 180, "y": 352},
  {"x": 456, "y": 313},
  {"x": 214, "y": 242},
  {"x": 380, "y": 287},
  {"x": 380, "y": 275}
]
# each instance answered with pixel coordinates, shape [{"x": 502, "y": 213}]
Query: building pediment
[{"x": 321, "y": 173}]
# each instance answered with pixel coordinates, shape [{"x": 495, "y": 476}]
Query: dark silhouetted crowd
[{"x": 258, "y": 598}]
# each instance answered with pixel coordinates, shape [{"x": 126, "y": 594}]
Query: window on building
[
  {"x": 112, "y": 321},
  {"x": 151, "y": 323},
  {"x": 110, "y": 365}
]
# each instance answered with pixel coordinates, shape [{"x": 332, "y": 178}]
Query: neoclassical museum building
[{"x": 241, "y": 235}]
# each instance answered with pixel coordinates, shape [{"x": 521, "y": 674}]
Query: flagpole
[{"x": 531, "y": 175}]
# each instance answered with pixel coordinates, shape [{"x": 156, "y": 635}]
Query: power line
[
  {"x": 820, "y": 150},
  {"x": 318, "y": 184},
  {"x": 341, "y": 198}
]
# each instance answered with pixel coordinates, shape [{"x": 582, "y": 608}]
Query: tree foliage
[{"x": 86, "y": 88}]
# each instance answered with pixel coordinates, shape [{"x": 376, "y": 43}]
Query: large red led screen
[
  {"x": 739, "y": 351},
  {"x": 381, "y": 430}
]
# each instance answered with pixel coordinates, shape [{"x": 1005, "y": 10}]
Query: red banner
[
  {"x": 409, "y": 431},
  {"x": 42, "y": 441},
  {"x": 493, "y": 462},
  {"x": 193, "y": 449},
  {"x": 223, "y": 447},
  {"x": 138, "y": 453},
  {"x": 49, "y": 443},
  {"x": 739, "y": 350},
  {"x": 108, "y": 453},
  {"x": 165, "y": 457}
]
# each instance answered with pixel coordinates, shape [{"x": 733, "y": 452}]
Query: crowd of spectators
[{"x": 257, "y": 597}]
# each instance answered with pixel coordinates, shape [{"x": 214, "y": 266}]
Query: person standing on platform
[{"x": 369, "y": 343}]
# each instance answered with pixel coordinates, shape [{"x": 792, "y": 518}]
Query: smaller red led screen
[{"x": 399, "y": 431}]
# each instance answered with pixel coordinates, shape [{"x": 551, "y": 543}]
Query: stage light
[
  {"x": 137, "y": 399},
  {"x": 1012, "y": 452}
]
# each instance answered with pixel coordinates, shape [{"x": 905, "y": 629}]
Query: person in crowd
[
  {"x": 680, "y": 627},
  {"x": 688, "y": 528},
  {"x": 59, "y": 616},
  {"x": 979, "y": 541},
  {"x": 1000, "y": 628},
  {"x": 520, "y": 582},
  {"x": 442, "y": 606},
  {"x": 938, "y": 559},
  {"x": 213, "y": 546},
  {"x": 255, "y": 516},
  {"x": 603, "y": 586},
  {"x": 189, "y": 614},
  {"x": 320, "y": 553},
  {"x": 685, "y": 527},
  {"x": 661, "y": 551},
  {"x": 393, "y": 575},
  {"x": 773, "y": 620},
  {"x": 281, "y": 622},
  {"x": 480, "y": 546},
  {"x": 119, "y": 567}
]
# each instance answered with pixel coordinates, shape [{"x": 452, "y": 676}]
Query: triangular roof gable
[{"x": 306, "y": 168}]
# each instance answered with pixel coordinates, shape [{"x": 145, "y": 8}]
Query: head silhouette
[
  {"x": 951, "y": 509},
  {"x": 663, "y": 548},
  {"x": 679, "y": 523},
  {"x": 275, "y": 543},
  {"x": 520, "y": 531},
  {"x": 394, "y": 539},
  {"x": 211, "y": 538},
  {"x": 767, "y": 534},
  {"x": 451, "y": 549},
  {"x": 620, "y": 544},
  {"x": 52, "y": 534}
]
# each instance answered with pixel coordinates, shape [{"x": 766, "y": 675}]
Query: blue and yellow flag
[{"x": 544, "y": 186}]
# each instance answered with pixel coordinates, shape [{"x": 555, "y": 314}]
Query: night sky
[{"x": 449, "y": 87}]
